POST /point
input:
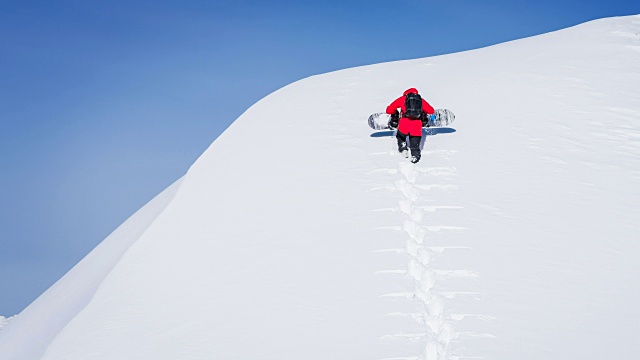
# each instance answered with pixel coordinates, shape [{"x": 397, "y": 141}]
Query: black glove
[
  {"x": 393, "y": 122},
  {"x": 425, "y": 119}
]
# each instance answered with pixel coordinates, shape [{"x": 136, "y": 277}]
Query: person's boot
[
  {"x": 402, "y": 144},
  {"x": 414, "y": 145}
]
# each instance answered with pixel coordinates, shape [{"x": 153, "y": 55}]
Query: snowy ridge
[
  {"x": 73, "y": 292},
  {"x": 4, "y": 321},
  {"x": 515, "y": 236}
]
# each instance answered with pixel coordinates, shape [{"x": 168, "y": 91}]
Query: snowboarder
[{"x": 414, "y": 111}]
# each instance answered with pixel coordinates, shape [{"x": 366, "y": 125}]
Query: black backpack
[{"x": 413, "y": 106}]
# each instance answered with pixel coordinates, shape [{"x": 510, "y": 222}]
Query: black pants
[{"x": 413, "y": 143}]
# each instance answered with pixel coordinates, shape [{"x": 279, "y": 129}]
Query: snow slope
[
  {"x": 4, "y": 321},
  {"x": 300, "y": 234}
]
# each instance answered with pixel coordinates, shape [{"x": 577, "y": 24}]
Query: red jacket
[{"x": 399, "y": 103}]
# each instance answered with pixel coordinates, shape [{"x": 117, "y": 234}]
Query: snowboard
[{"x": 441, "y": 117}]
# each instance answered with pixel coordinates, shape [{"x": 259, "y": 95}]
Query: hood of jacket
[{"x": 410, "y": 91}]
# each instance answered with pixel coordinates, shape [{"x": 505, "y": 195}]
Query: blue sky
[{"x": 103, "y": 104}]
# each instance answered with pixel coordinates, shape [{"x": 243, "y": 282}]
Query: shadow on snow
[{"x": 426, "y": 132}]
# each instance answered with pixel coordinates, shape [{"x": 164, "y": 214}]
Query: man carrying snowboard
[{"x": 414, "y": 111}]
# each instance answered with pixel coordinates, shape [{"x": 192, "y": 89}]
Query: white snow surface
[
  {"x": 300, "y": 235},
  {"x": 4, "y": 321}
]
